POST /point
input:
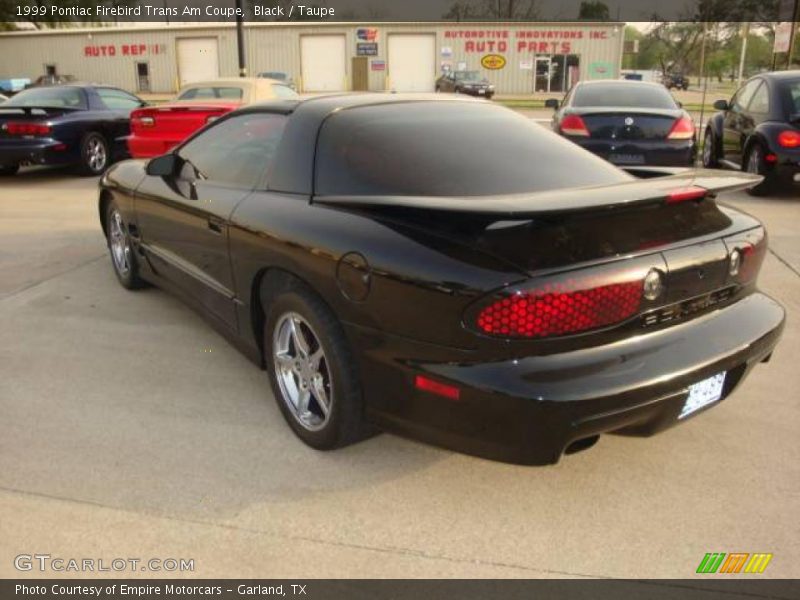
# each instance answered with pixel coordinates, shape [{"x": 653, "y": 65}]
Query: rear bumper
[
  {"x": 787, "y": 167},
  {"x": 661, "y": 153},
  {"x": 37, "y": 152},
  {"x": 140, "y": 147},
  {"x": 530, "y": 410}
]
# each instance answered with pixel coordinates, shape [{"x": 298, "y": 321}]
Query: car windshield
[
  {"x": 623, "y": 94},
  {"x": 54, "y": 97},
  {"x": 448, "y": 149},
  {"x": 468, "y": 76},
  {"x": 212, "y": 93},
  {"x": 792, "y": 95},
  {"x": 274, "y": 75}
]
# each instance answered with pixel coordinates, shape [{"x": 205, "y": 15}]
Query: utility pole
[
  {"x": 240, "y": 38},
  {"x": 793, "y": 35},
  {"x": 745, "y": 33},
  {"x": 703, "y": 79}
]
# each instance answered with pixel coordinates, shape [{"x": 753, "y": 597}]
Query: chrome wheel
[
  {"x": 118, "y": 242},
  {"x": 302, "y": 371},
  {"x": 754, "y": 161},
  {"x": 96, "y": 154}
]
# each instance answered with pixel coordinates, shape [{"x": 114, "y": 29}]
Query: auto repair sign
[{"x": 493, "y": 62}]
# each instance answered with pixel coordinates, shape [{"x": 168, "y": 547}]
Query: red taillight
[
  {"x": 28, "y": 129},
  {"x": 576, "y": 304},
  {"x": 436, "y": 387},
  {"x": 143, "y": 118},
  {"x": 692, "y": 192},
  {"x": 573, "y": 125},
  {"x": 682, "y": 129},
  {"x": 789, "y": 139}
]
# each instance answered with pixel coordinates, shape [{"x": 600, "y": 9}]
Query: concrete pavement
[{"x": 129, "y": 428}]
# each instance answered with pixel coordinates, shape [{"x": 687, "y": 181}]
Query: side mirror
[
  {"x": 721, "y": 105},
  {"x": 162, "y": 166},
  {"x": 551, "y": 103},
  {"x": 680, "y": 104}
]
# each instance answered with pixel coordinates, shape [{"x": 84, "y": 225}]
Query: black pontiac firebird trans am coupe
[{"x": 445, "y": 269}]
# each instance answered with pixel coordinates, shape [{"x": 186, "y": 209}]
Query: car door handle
[{"x": 216, "y": 224}]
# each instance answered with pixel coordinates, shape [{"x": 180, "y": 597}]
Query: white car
[{"x": 3, "y": 98}]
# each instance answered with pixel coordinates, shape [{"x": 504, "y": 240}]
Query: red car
[{"x": 155, "y": 130}]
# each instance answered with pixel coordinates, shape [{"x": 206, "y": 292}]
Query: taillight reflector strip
[
  {"x": 561, "y": 308},
  {"x": 27, "y": 128},
  {"x": 573, "y": 125},
  {"x": 427, "y": 384}
]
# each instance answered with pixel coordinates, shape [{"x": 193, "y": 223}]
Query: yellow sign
[{"x": 493, "y": 61}]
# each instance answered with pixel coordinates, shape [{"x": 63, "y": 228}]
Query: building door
[
  {"x": 142, "y": 76},
  {"x": 323, "y": 63},
  {"x": 541, "y": 74},
  {"x": 360, "y": 68},
  {"x": 198, "y": 59},
  {"x": 412, "y": 62}
]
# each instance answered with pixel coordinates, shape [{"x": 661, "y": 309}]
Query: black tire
[
  {"x": 128, "y": 277},
  {"x": 9, "y": 170},
  {"x": 754, "y": 163},
  {"x": 710, "y": 156},
  {"x": 93, "y": 145},
  {"x": 345, "y": 422}
]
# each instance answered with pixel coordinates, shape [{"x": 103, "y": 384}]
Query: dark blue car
[
  {"x": 759, "y": 131},
  {"x": 80, "y": 125}
]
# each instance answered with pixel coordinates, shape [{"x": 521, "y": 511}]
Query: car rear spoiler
[
  {"x": 36, "y": 111},
  {"x": 686, "y": 184}
]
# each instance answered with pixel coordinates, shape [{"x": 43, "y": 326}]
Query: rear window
[
  {"x": 54, "y": 97},
  {"x": 792, "y": 96},
  {"x": 448, "y": 149},
  {"x": 212, "y": 93},
  {"x": 615, "y": 94}
]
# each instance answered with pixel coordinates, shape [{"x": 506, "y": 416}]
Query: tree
[
  {"x": 476, "y": 10},
  {"x": 593, "y": 11}
]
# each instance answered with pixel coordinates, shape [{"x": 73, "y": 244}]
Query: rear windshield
[
  {"x": 212, "y": 93},
  {"x": 468, "y": 76},
  {"x": 616, "y": 94},
  {"x": 53, "y": 97},
  {"x": 792, "y": 95},
  {"x": 448, "y": 149}
]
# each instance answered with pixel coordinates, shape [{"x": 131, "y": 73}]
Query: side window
[
  {"x": 742, "y": 98},
  {"x": 760, "y": 101},
  {"x": 230, "y": 93},
  {"x": 237, "y": 150},
  {"x": 117, "y": 99}
]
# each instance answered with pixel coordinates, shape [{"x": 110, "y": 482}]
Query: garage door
[
  {"x": 197, "y": 59},
  {"x": 323, "y": 63},
  {"x": 412, "y": 62}
]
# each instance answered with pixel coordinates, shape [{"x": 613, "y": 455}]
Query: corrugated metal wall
[{"x": 87, "y": 53}]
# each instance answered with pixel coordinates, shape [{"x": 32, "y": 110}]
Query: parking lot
[{"x": 131, "y": 429}]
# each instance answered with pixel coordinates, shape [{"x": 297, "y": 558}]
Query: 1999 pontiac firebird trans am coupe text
[{"x": 445, "y": 269}]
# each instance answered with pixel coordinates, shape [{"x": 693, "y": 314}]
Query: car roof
[
  {"x": 620, "y": 82},
  {"x": 293, "y": 166},
  {"x": 779, "y": 75}
]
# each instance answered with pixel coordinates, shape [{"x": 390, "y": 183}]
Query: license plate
[
  {"x": 702, "y": 394},
  {"x": 481, "y": 91},
  {"x": 626, "y": 159}
]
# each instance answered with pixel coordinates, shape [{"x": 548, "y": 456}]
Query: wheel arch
[
  {"x": 268, "y": 281},
  {"x": 102, "y": 207}
]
